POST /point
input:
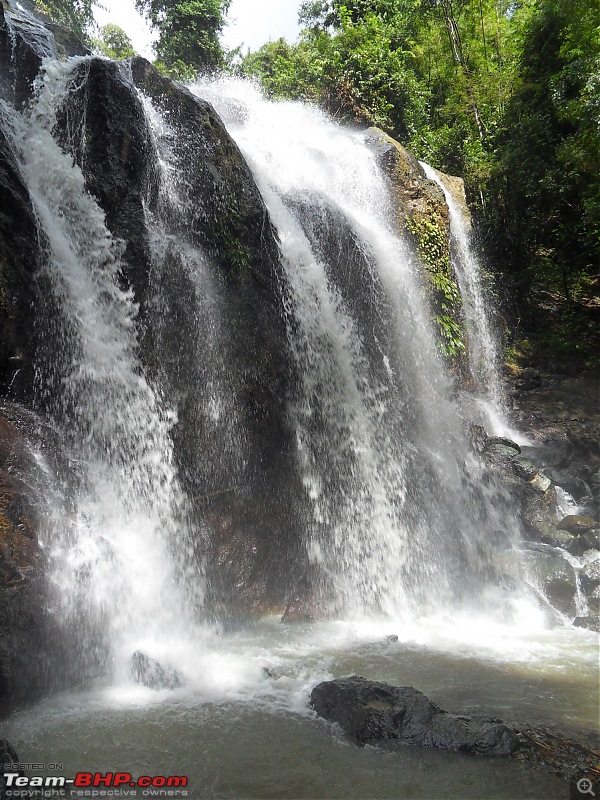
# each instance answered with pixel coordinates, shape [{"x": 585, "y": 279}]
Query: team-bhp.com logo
[{"x": 95, "y": 784}]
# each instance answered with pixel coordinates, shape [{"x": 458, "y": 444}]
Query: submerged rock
[
  {"x": 372, "y": 712},
  {"x": 153, "y": 674}
]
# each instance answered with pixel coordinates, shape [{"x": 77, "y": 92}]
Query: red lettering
[
  {"x": 103, "y": 780},
  {"x": 145, "y": 780},
  {"x": 159, "y": 781},
  {"x": 83, "y": 779},
  {"x": 175, "y": 781},
  {"x": 121, "y": 778}
]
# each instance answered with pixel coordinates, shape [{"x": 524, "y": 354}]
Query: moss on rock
[{"x": 422, "y": 216}]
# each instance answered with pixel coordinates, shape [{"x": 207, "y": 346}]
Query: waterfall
[
  {"x": 484, "y": 356},
  {"x": 112, "y": 561},
  {"x": 179, "y": 264},
  {"x": 395, "y": 514},
  {"x": 399, "y": 519}
]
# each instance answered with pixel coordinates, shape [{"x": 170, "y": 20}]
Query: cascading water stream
[
  {"x": 113, "y": 564},
  {"x": 175, "y": 256},
  {"x": 484, "y": 356},
  {"x": 400, "y": 521}
]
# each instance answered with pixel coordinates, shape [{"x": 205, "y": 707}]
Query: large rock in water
[{"x": 372, "y": 712}]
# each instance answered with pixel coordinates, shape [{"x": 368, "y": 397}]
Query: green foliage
[
  {"x": 431, "y": 239},
  {"x": 505, "y": 93},
  {"x": 113, "y": 43},
  {"x": 188, "y": 33},
  {"x": 546, "y": 182},
  {"x": 74, "y": 14},
  {"x": 363, "y": 72}
]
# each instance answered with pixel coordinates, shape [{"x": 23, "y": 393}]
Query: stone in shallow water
[
  {"x": 151, "y": 673},
  {"x": 371, "y": 712}
]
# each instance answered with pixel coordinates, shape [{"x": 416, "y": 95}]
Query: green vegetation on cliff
[
  {"x": 77, "y": 15},
  {"x": 503, "y": 92}
]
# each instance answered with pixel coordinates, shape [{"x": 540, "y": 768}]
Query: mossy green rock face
[{"x": 422, "y": 214}]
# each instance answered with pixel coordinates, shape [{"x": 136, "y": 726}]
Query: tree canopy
[
  {"x": 114, "y": 43},
  {"x": 505, "y": 93},
  {"x": 189, "y": 33}
]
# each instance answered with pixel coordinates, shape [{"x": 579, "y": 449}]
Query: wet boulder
[
  {"x": 372, "y": 712},
  {"x": 528, "y": 379},
  {"x": 590, "y": 623},
  {"x": 555, "y": 538},
  {"x": 26, "y": 628},
  {"x": 213, "y": 215},
  {"x": 590, "y": 574},
  {"x": 303, "y": 608},
  {"x": 590, "y": 539},
  {"x": 18, "y": 264},
  {"x": 557, "y": 577},
  {"x": 422, "y": 216},
  {"x": 153, "y": 674},
  {"x": 524, "y": 468},
  {"x": 501, "y": 447},
  {"x": 575, "y": 486},
  {"x": 26, "y": 38},
  {"x": 575, "y": 523}
]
